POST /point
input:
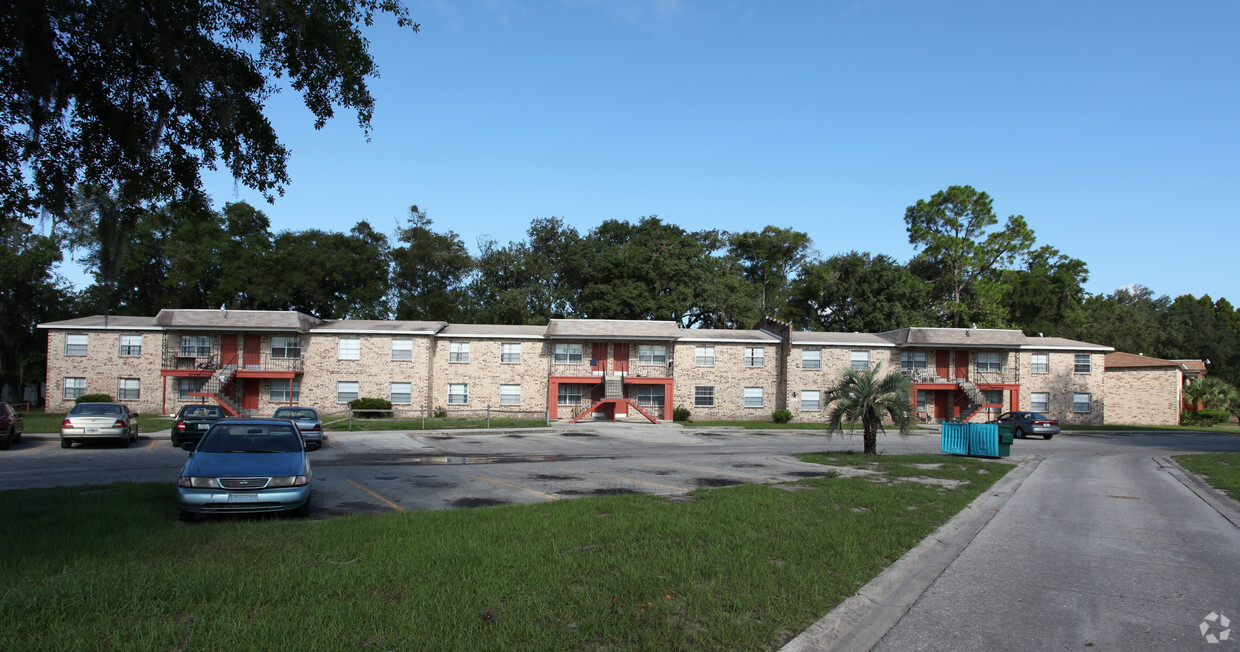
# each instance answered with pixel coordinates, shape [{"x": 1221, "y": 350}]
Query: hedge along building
[{"x": 253, "y": 361}]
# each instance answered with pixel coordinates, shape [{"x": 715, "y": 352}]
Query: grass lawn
[
  {"x": 739, "y": 568},
  {"x": 49, "y": 422},
  {"x": 430, "y": 424},
  {"x": 760, "y": 425},
  {"x": 1219, "y": 429},
  {"x": 1221, "y": 470}
]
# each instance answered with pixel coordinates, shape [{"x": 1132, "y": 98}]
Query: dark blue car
[{"x": 246, "y": 466}]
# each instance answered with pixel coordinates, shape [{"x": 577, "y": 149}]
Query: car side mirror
[
  {"x": 189, "y": 446},
  {"x": 135, "y": 415}
]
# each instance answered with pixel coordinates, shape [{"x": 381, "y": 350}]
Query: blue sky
[{"x": 1113, "y": 127}]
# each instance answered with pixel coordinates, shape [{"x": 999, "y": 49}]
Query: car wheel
[
  {"x": 17, "y": 437},
  {"x": 65, "y": 443},
  {"x": 7, "y": 441},
  {"x": 1047, "y": 436},
  {"x": 125, "y": 441},
  {"x": 185, "y": 516},
  {"x": 301, "y": 512},
  {"x": 1019, "y": 434}
]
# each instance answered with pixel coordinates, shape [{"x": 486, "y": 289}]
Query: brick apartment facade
[{"x": 254, "y": 361}]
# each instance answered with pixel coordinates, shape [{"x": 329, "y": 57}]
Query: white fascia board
[
  {"x": 617, "y": 338},
  {"x": 1094, "y": 349},
  {"x": 480, "y": 336},
  {"x": 363, "y": 331},
  {"x": 99, "y": 328},
  {"x": 867, "y": 345},
  {"x": 700, "y": 340}
]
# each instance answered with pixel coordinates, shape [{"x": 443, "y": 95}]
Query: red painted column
[
  {"x": 554, "y": 399},
  {"x": 1015, "y": 404}
]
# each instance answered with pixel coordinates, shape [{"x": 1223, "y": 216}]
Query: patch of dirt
[
  {"x": 859, "y": 510},
  {"x": 934, "y": 482},
  {"x": 793, "y": 487},
  {"x": 680, "y": 498},
  {"x": 927, "y": 467}
]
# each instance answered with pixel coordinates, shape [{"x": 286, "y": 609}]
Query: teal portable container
[
  {"x": 984, "y": 439},
  {"x": 955, "y": 438}
]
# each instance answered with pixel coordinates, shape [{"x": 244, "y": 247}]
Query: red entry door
[
  {"x": 941, "y": 364},
  {"x": 228, "y": 350},
  {"x": 253, "y": 351},
  {"x": 620, "y": 357},
  {"x": 962, "y": 364},
  {"x": 249, "y": 394},
  {"x": 599, "y": 357}
]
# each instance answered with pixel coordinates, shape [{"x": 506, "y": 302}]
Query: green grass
[
  {"x": 1213, "y": 429},
  {"x": 737, "y": 568},
  {"x": 761, "y": 425},
  {"x": 49, "y": 422},
  {"x": 430, "y": 424},
  {"x": 1221, "y": 470}
]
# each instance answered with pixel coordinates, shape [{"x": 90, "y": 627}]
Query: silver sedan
[{"x": 99, "y": 421}]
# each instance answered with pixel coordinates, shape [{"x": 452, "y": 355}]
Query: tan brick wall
[
  {"x": 1061, "y": 382},
  {"x": 729, "y": 377},
  {"x": 835, "y": 361},
  {"x": 374, "y": 371},
  {"x": 1144, "y": 396},
  {"x": 484, "y": 373},
  {"x": 103, "y": 367}
]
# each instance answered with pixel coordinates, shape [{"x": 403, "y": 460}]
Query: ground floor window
[
  {"x": 284, "y": 390},
  {"x": 127, "y": 389},
  {"x": 811, "y": 400},
  {"x": 346, "y": 390},
  {"x": 510, "y": 395},
  {"x": 458, "y": 393},
  {"x": 703, "y": 396},
  {"x": 753, "y": 397},
  {"x": 569, "y": 395},
  {"x": 74, "y": 387},
  {"x": 1082, "y": 402},
  {"x": 1040, "y": 401},
  {"x": 921, "y": 401},
  {"x": 400, "y": 393},
  {"x": 650, "y": 396},
  {"x": 187, "y": 385}
]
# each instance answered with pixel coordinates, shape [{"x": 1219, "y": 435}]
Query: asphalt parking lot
[{"x": 376, "y": 472}]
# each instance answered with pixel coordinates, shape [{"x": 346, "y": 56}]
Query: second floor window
[
  {"x": 76, "y": 344},
  {"x": 651, "y": 354},
  {"x": 349, "y": 348},
  {"x": 195, "y": 346},
  {"x": 285, "y": 347},
  {"x": 567, "y": 354},
  {"x": 1081, "y": 363},
  {"x": 402, "y": 349},
  {"x": 131, "y": 345},
  {"x": 754, "y": 356},
  {"x": 859, "y": 360},
  {"x": 1040, "y": 363},
  {"x": 510, "y": 353},
  {"x": 811, "y": 358},
  {"x": 704, "y": 356},
  {"x": 912, "y": 360},
  {"x": 458, "y": 352},
  {"x": 989, "y": 362}
]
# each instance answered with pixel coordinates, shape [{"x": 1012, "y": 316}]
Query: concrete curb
[
  {"x": 1221, "y": 502},
  {"x": 862, "y": 620}
]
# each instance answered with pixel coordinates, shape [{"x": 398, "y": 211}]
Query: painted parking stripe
[
  {"x": 35, "y": 448},
  {"x": 152, "y": 446},
  {"x": 690, "y": 468},
  {"x": 620, "y": 477},
  {"x": 513, "y": 486},
  {"x": 385, "y": 500}
]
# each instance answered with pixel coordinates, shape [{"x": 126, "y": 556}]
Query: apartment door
[
  {"x": 942, "y": 364},
  {"x": 228, "y": 350},
  {"x": 249, "y": 394},
  {"x": 599, "y": 359},
  {"x": 620, "y": 357},
  {"x": 962, "y": 364},
  {"x": 253, "y": 351}
]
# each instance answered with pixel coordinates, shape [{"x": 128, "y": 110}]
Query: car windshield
[
  {"x": 1036, "y": 415},
  {"x": 95, "y": 410},
  {"x": 203, "y": 412},
  {"x": 285, "y": 413},
  {"x": 251, "y": 438}
]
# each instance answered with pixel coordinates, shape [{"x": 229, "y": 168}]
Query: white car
[{"x": 99, "y": 421}]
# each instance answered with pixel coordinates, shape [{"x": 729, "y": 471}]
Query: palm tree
[
  {"x": 1212, "y": 393},
  {"x": 866, "y": 397}
]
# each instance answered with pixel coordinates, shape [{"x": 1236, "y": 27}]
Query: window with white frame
[
  {"x": 704, "y": 396},
  {"x": 458, "y": 393},
  {"x": 76, "y": 344},
  {"x": 754, "y": 356},
  {"x": 811, "y": 358},
  {"x": 510, "y": 395},
  {"x": 569, "y": 394},
  {"x": 131, "y": 345},
  {"x": 195, "y": 346},
  {"x": 400, "y": 393},
  {"x": 567, "y": 354},
  {"x": 458, "y": 352},
  {"x": 74, "y": 387},
  {"x": 128, "y": 389},
  {"x": 1081, "y": 363},
  {"x": 283, "y": 346},
  {"x": 703, "y": 356},
  {"x": 1040, "y": 401},
  {"x": 349, "y": 348},
  {"x": 1082, "y": 402},
  {"x": 811, "y": 400},
  {"x": 859, "y": 360},
  {"x": 187, "y": 385},
  {"x": 650, "y": 395},
  {"x": 912, "y": 360},
  {"x": 1040, "y": 363},
  {"x": 651, "y": 354},
  {"x": 992, "y": 396},
  {"x": 921, "y": 401},
  {"x": 402, "y": 348},
  {"x": 989, "y": 362},
  {"x": 346, "y": 390},
  {"x": 753, "y": 397},
  {"x": 510, "y": 352},
  {"x": 284, "y": 390}
]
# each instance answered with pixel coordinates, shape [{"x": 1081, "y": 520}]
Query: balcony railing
[
  {"x": 1006, "y": 375},
  {"x": 203, "y": 359}
]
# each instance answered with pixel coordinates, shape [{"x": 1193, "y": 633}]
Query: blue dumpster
[
  {"x": 984, "y": 439},
  {"x": 955, "y": 438}
]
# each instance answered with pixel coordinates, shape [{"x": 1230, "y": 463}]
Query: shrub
[
  {"x": 782, "y": 416},
  {"x": 371, "y": 404},
  {"x": 93, "y": 398},
  {"x": 680, "y": 413},
  {"x": 1211, "y": 417},
  {"x": 440, "y": 413}
]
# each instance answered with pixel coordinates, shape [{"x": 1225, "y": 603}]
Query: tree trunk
[{"x": 869, "y": 434}]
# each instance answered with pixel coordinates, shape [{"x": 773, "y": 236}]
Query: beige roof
[
  {"x": 844, "y": 339},
  {"x": 99, "y": 322},
  {"x": 1060, "y": 343},
  {"x": 493, "y": 330},
  {"x": 1121, "y": 360},
  {"x": 200, "y": 319},
  {"x": 955, "y": 337},
  {"x": 613, "y": 329},
  {"x": 724, "y": 335},
  {"x": 380, "y": 326},
  {"x": 1192, "y": 366}
]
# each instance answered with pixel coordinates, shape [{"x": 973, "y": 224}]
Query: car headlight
[
  {"x": 192, "y": 482},
  {"x": 289, "y": 481}
]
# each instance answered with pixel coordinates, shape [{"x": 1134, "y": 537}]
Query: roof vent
[
  {"x": 1140, "y": 354},
  {"x": 1039, "y": 335}
]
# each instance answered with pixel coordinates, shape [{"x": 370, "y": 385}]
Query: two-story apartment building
[{"x": 254, "y": 361}]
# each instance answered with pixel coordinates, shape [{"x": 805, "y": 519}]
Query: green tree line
[{"x": 968, "y": 270}]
